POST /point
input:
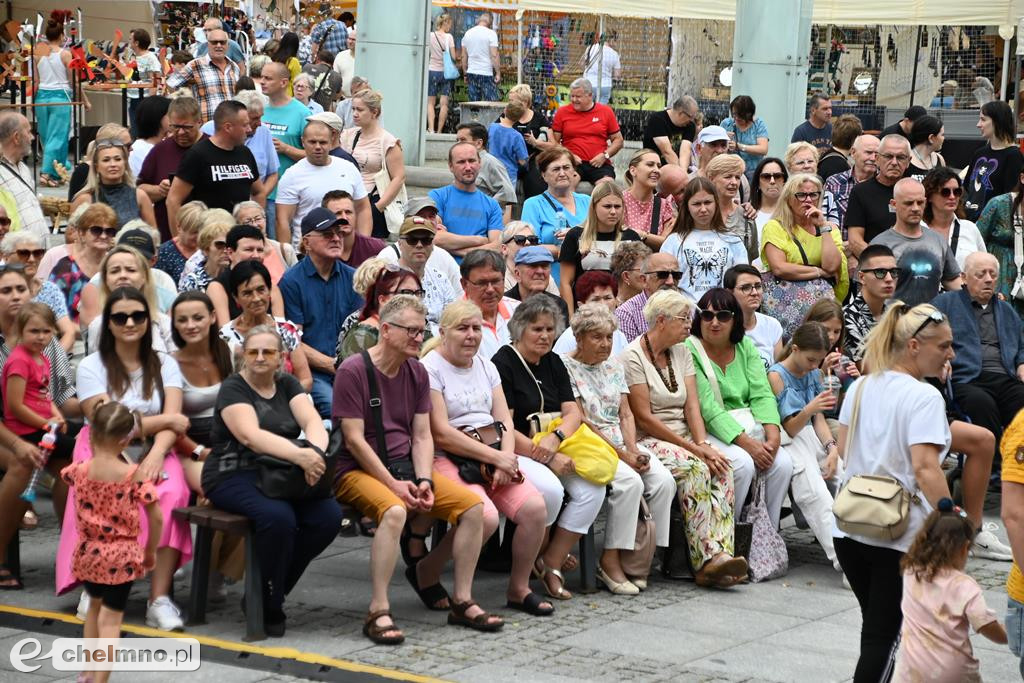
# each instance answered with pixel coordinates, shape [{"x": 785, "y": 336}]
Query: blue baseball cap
[
  {"x": 320, "y": 219},
  {"x": 533, "y": 255}
]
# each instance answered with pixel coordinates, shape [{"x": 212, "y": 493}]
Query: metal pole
[
  {"x": 519, "y": 50},
  {"x": 1006, "y": 69},
  {"x": 600, "y": 56},
  {"x": 913, "y": 77}
]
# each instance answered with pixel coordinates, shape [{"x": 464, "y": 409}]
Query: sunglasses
[
  {"x": 412, "y": 292},
  {"x": 5, "y": 222},
  {"x": 751, "y": 287},
  {"x": 520, "y": 240},
  {"x": 880, "y": 273},
  {"x": 933, "y": 317},
  {"x": 269, "y": 354},
  {"x": 426, "y": 240},
  {"x": 98, "y": 231},
  {"x": 217, "y": 42},
  {"x": 121, "y": 319},
  {"x": 25, "y": 254},
  {"x": 663, "y": 274},
  {"x": 109, "y": 142},
  {"x": 721, "y": 316},
  {"x": 220, "y": 244},
  {"x": 777, "y": 177},
  {"x": 948, "y": 192},
  {"x": 801, "y": 196}
]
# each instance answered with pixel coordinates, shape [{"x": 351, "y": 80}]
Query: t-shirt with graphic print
[
  {"x": 286, "y": 124},
  {"x": 220, "y": 177},
  {"x": 925, "y": 262},
  {"x": 599, "y": 256},
  {"x": 703, "y": 259},
  {"x": 992, "y": 172}
]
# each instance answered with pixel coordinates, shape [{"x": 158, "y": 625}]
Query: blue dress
[{"x": 797, "y": 391}]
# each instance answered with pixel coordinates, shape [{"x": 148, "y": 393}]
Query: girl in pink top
[
  {"x": 108, "y": 493},
  {"x": 940, "y": 601}
]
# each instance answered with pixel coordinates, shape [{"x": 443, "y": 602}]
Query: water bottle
[
  {"x": 563, "y": 227},
  {"x": 46, "y": 445}
]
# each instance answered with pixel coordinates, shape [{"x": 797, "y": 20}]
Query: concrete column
[
  {"x": 391, "y": 52},
  {"x": 773, "y": 71}
]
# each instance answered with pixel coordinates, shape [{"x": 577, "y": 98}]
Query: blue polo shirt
[
  {"x": 319, "y": 305},
  {"x": 467, "y": 213}
]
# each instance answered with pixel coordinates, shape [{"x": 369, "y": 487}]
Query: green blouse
[{"x": 744, "y": 384}]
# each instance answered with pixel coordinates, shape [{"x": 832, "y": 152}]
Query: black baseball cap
[
  {"x": 320, "y": 219},
  {"x": 140, "y": 240}
]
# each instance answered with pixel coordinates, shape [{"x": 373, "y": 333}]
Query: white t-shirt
[
  {"x": 766, "y": 334},
  {"x": 467, "y": 391},
  {"x": 566, "y": 344},
  {"x": 92, "y": 381},
  {"x": 140, "y": 148},
  {"x": 970, "y": 240},
  {"x": 305, "y": 185},
  {"x": 703, "y": 259},
  {"x": 477, "y": 42},
  {"x": 607, "y": 59},
  {"x": 896, "y": 412},
  {"x": 440, "y": 260}
]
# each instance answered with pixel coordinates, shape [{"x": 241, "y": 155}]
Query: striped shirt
[{"x": 210, "y": 85}]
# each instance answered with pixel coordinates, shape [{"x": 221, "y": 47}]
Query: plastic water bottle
[
  {"x": 563, "y": 226},
  {"x": 46, "y": 445}
]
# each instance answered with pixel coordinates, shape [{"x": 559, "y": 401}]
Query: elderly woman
[
  {"x": 277, "y": 257},
  {"x": 663, "y": 397},
  {"x": 264, "y": 410},
  {"x": 304, "y": 85},
  {"x": 97, "y": 227},
  {"x": 725, "y": 172},
  {"x": 748, "y": 134},
  {"x": 27, "y": 248},
  {"x": 595, "y": 287},
  {"x": 554, "y": 211},
  {"x": 534, "y": 380},
  {"x": 375, "y": 149},
  {"x": 212, "y": 256},
  {"x": 172, "y": 254},
  {"x": 736, "y": 400},
  {"x": 536, "y": 130},
  {"x": 600, "y": 388},
  {"x": 644, "y": 211},
  {"x": 515, "y": 236},
  {"x": 111, "y": 182},
  {"x": 467, "y": 400},
  {"x": 799, "y": 245},
  {"x": 249, "y": 284},
  {"x": 383, "y": 281},
  {"x": 801, "y": 157},
  {"x": 944, "y": 213}
]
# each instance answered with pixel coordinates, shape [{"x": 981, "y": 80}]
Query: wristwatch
[
  {"x": 826, "y": 228},
  {"x": 420, "y": 480},
  {"x": 560, "y": 434}
]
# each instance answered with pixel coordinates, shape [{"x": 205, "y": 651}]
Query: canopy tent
[{"x": 841, "y": 12}]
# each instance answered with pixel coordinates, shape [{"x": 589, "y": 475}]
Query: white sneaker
[
  {"x": 164, "y": 615},
  {"x": 83, "y": 607},
  {"x": 987, "y": 546}
]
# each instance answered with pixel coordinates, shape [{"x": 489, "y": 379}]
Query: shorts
[
  {"x": 113, "y": 597},
  {"x": 373, "y": 498},
  {"x": 507, "y": 499},
  {"x": 437, "y": 84},
  {"x": 592, "y": 174}
]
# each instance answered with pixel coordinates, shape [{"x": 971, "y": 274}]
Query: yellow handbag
[{"x": 594, "y": 459}]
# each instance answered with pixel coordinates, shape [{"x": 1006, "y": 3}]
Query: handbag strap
[
  {"x": 534, "y": 377},
  {"x": 803, "y": 254},
  {"x": 655, "y": 214},
  {"x": 954, "y": 240},
  {"x": 709, "y": 368},
  {"x": 854, "y": 413},
  {"x": 376, "y": 408},
  {"x": 554, "y": 207}
]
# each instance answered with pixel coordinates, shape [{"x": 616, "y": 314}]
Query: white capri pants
[
  {"x": 628, "y": 486},
  {"x": 810, "y": 490},
  {"x": 776, "y": 483},
  {"x": 585, "y": 498}
]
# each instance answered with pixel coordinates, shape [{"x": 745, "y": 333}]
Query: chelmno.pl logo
[{"x": 108, "y": 654}]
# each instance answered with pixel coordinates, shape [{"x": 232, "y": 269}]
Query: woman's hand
[
  {"x": 312, "y": 464},
  {"x": 546, "y": 448},
  {"x": 832, "y": 361},
  {"x": 822, "y": 403},
  {"x": 562, "y": 465},
  {"x": 507, "y": 463},
  {"x": 757, "y": 450},
  {"x": 501, "y": 478},
  {"x": 640, "y": 462},
  {"x": 150, "y": 469},
  {"x": 814, "y": 215},
  {"x": 828, "y": 469},
  {"x": 716, "y": 461},
  {"x": 175, "y": 422}
]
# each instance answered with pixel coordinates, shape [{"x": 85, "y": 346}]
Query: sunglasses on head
[
  {"x": 721, "y": 316},
  {"x": 663, "y": 274},
  {"x": 99, "y": 231},
  {"x": 25, "y": 254},
  {"x": 880, "y": 273},
  {"x": 121, "y": 319},
  {"x": 411, "y": 292},
  {"x": 109, "y": 142},
  {"x": 520, "y": 240},
  {"x": 948, "y": 192},
  {"x": 933, "y": 317},
  {"x": 425, "y": 240}
]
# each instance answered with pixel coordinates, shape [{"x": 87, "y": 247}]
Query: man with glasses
[
  {"x": 532, "y": 268},
  {"x": 864, "y": 153},
  {"x": 483, "y": 279},
  {"x": 744, "y": 281},
  {"x": 355, "y": 247},
  {"x": 877, "y": 276},
  {"x": 666, "y": 129},
  {"x": 628, "y": 269},
  {"x": 924, "y": 258},
  {"x": 15, "y": 177},
  {"x": 212, "y": 78},
  {"x": 415, "y": 246},
  {"x": 869, "y": 212},
  {"x": 440, "y": 260},
  {"x": 235, "y": 53},
  {"x": 162, "y": 162},
  {"x": 661, "y": 271},
  {"x": 318, "y": 296}
]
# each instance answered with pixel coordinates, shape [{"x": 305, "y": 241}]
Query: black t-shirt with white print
[{"x": 220, "y": 178}]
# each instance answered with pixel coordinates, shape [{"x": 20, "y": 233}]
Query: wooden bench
[{"x": 207, "y": 520}]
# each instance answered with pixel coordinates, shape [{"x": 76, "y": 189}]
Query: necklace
[
  {"x": 669, "y": 383},
  {"x": 924, "y": 164}
]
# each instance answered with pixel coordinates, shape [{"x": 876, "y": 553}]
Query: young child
[
  {"x": 940, "y": 601},
  {"x": 506, "y": 143},
  {"x": 107, "y": 498},
  {"x": 803, "y": 400},
  {"x": 29, "y": 410}
]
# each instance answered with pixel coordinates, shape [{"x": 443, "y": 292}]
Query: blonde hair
[
  {"x": 888, "y": 340},
  {"x": 190, "y": 216},
  {"x": 512, "y": 229},
  {"x": 372, "y": 99},
  {"x": 453, "y": 314},
  {"x": 93, "y": 182},
  {"x": 783, "y": 213},
  {"x": 722, "y": 164},
  {"x": 523, "y": 93},
  {"x": 589, "y": 235},
  {"x": 667, "y": 302},
  {"x": 148, "y": 288},
  {"x": 366, "y": 275},
  {"x": 634, "y": 160},
  {"x": 214, "y": 226},
  {"x": 443, "y": 22},
  {"x": 797, "y": 147}
]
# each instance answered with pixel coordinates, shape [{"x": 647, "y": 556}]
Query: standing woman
[
  {"x": 375, "y": 148},
  {"x": 287, "y": 53},
  {"x": 726, "y": 173},
  {"x": 996, "y": 227},
  {"x": 944, "y": 213},
  {"x": 590, "y": 246},
  {"x": 438, "y": 86},
  {"x": 651, "y": 216},
  {"x": 554, "y": 211},
  {"x": 536, "y": 130},
  {"x": 111, "y": 181},
  {"x": 926, "y": 138},
  {"x": 96, "y": 229},
  {"x": 52, "y": 80},
  {"x": 766, "y": 188},
  {"x": 700, "y": 241},
  {"x": 127, "y": 369},
  {"x": 996, "y": 166},
  {"x": 748, "y": 136},
  {"x": 900, "y": 431}
]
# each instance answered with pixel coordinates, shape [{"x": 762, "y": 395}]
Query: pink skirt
[{"x": 173, "y": 493}]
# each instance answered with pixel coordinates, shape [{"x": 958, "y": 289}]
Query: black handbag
[
  {"x": 476, "y": 472},
  {"x": 285, "y": 480},
  {"x": 402, "y": 470}
]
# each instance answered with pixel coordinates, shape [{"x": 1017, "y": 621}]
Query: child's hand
[
  {"x": 62, "y": 425},
  {"x": 832, "y": 361},
  {"x": 148, "y": 559},
  {"x": 823, "y": 402}
]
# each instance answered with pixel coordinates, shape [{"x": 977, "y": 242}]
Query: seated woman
[
  {"x": 123, "y": 266},
  {"x": 769, "y": 178},
  {"x": 212, "y": 257},
  {"x": 744, "y": 421},
  {"x": 27, "y": 248},
  {"x": 559, "y": 208},
  {"x": 745, "y": 283},
  {"x": 801, "y": 157},
  {"x": 534, "y": 380},
  {"x": 669, "y": 423},
  {"x": 700, "y": 241},
  {"x": 175, "y": 252},
  {"x": 600, "y": 388},
  {"x": 595, "y": 287},
  {"x": 111, "y": 182},
  {"x": 648, "y": 214},
  {"x": 466, "y": 395},
  {"x": 97, "y": 227},
  {"x": 127, "y": 369},
  {"x": 263, "y": 410},
  {"x": 80, "y": 174},
  {"x": 278, "y": 257},
  {"x": 382, "y": 281},
  {"x": 249, "y": 284}
]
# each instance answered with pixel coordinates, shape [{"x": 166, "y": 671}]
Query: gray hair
[
  {"x": 10, "y": 123},
  {"x": 686, "y": 104},
  {"x": 399, "y": 303},
  {"x": 667, "y": 303},
  {"x": 513, "y": 228},
  {"x": 256, "y": 65},
  {"x": 583, "y": 84},
  {"x": 13, "y": 239},
  {"x": 242, "y": 206},
  {"x": 251, "y": 99},
  {"x": 891, "y": 137},
  {"x": 594, "y": 317},
  {"x": 76, "y": 215},
  {"x": 481, "y": 258},
  {"x": 357, "y": 80},
  {"x": 139, "y": 224},
  {"x": 305, "y": 78},
  {"x": 529, "y": 311}
]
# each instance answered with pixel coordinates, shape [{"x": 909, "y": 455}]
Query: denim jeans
[
  {"x": 1015, "y": 630},
  {"x": 323, "y": 394},
  {"x": 481, "y": 88}
]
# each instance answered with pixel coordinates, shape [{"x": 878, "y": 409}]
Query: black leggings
[{"x": 875, "y": 577}]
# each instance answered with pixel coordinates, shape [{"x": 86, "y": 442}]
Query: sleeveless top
[
  {"x": 53, "y": 75},
  {"x": 121, "y": 198},
  {"x": 197, "y": 402}
]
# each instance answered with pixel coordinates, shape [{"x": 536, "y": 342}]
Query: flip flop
[
  {"x": 6, "y": 579},
  {"x": 531, "y": 604},
  {"x": 429, "y": 595}
]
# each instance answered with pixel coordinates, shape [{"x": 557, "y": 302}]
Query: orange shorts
[{"x": 372, "y": 497}]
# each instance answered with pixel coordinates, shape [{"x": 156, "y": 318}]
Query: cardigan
[{"x": 967, "y": 337}]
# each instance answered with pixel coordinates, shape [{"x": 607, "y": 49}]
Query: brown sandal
[
  {"x": 375, "y": 632},
  {"x": 481, "y": 622}
]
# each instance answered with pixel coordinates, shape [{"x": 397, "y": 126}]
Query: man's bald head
[
  {"x": 908, "y": 201},
  {"x": 276, "y": 70},
  {"x": 212, "y": 23},
  {"x": 906, "y": 187},
  {"x": 981, "y": 272},
  {"x": 672, "y": 181},
  {"x": 980, "y": 259}
]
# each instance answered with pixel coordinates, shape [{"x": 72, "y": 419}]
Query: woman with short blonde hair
[
  {"x": 726, "y": 173},
  {"x": 207, "y": 263},
  {"x": 801, "y": 157}
]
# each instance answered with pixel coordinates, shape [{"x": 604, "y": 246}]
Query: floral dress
[
  {"x": 70, "y": 279},
  {"x": 291, "y": 337},
  {"x": 996, "y": 225}
]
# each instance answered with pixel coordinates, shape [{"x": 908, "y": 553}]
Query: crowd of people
[{"x": 244, "y": 277}]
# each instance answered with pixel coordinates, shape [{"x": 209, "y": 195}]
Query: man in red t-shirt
[{"x": 590, "y": 131}]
